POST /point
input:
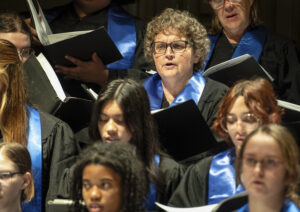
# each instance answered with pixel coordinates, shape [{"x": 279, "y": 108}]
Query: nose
[
  {"x": 258, "y": 169},
  {"x": 95, "y": 193},
  {"x": 240, "y": 127},
  {"x": 169, "y": 50},
  {"x": 111, "y": 127},
  {"x": 227, "y": 4}
]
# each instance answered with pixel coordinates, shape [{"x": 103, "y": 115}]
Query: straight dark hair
[{"x": 133, "y": 100}]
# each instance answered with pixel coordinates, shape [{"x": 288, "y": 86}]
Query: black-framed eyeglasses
[
  {"x": 8, "y": 175},
  {"x": 217, "y": 4},
  {"x": 26, "y": 52},
  {"x": 177, "y": 46}
]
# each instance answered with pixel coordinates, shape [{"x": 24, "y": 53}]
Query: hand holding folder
[{"x": 78, "y": 44}]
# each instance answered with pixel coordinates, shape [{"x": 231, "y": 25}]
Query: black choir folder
[
  {"x": 182, "y": 130},
  {"x": 79, "y": 44},
  {"x": 291, "y": 118},
  {"x": 46, "y": 93},
  {"x": 242, "y": 67}
]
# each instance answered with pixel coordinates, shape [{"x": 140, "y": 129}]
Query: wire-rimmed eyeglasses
[
  {"x": 217, "y": 4},
  {"x": 24, "y": 53},
  {"x": 248, "y": 120}
]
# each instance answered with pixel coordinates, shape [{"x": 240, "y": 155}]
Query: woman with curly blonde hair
[{"x": 178, "y": 45}]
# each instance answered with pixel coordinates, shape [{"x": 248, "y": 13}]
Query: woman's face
[
  {"x": 240, "y": 122},
  {"x": 171, "y": 65},
  {"x": 11, "y": 186},
  {"x": 92, "y": 5},
  {"x": 111, "y": 123},
  {"x": 234, "y": 17},
  {"x": 101, "y": 189},
  {"x": 21, "y": 42},
  {"x": 263, "y": 170}
]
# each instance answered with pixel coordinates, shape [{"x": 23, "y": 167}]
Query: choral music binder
[
  {"x": 46, "y": 93},
  {"x": 242, "y": 67},
  {"x": 78, "y": 44},
  {"x": 182, "y": 130}
]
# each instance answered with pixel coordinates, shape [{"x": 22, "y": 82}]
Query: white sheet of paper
[
  {"x": 51, "y": 76},
  {"x": 206, "y": 208}
]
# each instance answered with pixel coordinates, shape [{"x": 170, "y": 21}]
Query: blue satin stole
[
  {"x": 151, "y": 198},
  {"x": 288, "y": 206},
  {"x": 121, "y": 28},
  {"x": 193, "y": 90},
  {"x": 34, "y": 146},
  {"x": 251, "y": 43},
  {"x": 222, "y": 180}
]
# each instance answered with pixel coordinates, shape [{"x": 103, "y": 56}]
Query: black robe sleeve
[
  {"x": 211, "y": 97},
  {"x": 279, "y": 57},
  {"x": 59, "y": 152},
  {"x": 193, "y": 188},
  {"x": 170, "y": 172}
]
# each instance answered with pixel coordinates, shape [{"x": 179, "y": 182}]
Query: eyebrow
[
  {"x": 267, "y": 156},
  {"x": 101, "y": 180},
  {"x": 119, "y": 115}
]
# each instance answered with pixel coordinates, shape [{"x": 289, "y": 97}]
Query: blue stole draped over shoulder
[
  {"x": 121, "y": 28},
  {"x": 222, "y": 179},
  {"x": 151, "y": 198},
  {"x": 193, "y": 90},
  {"x": 251, "y": 43},
  {"x": 34, "y": 146},
  {"x": 288, "y": 206}
]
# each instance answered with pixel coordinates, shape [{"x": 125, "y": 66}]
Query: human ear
[{"x": 27, "y": 180}]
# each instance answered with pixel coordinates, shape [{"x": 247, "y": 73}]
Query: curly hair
[
  {"x": 20, "y": 156},
  {"x": 186, "y": 26},
  {"x": 13, "y": 116},
  {"x": 216, "y": 26},
  {"x": 122, "y": 159},
  {"x": 289, "y": 151},
  {"x": 259, "y": 98}
]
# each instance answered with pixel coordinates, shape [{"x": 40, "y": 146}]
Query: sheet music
[
  {"x": 41, "y": 25},
  {"x": 51, "y": 76},
  {"x": 206, "y": 208}
]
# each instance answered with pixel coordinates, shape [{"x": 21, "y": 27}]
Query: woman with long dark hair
[{"x": 122, "y": 113}]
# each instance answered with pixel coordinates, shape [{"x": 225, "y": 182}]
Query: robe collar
[
  {"x": 222, "y": 178},
  {"x": 193, "y": 90},
  {"x": 251, "y": 43}
]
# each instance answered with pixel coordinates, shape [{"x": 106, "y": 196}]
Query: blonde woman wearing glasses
[
  {"x": 267, "y": 166},
  {"x": 177, "y": 44},
  {"x": 247, "y": 105},
  {"x": 235, "y": 30}
]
